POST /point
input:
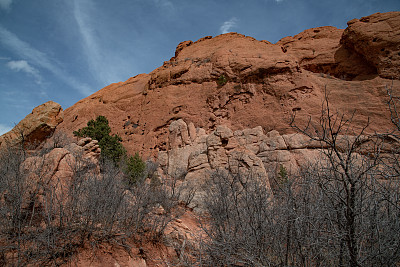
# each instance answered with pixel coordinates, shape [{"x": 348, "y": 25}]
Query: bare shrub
[
  {"x": 340, "y": 210},
  {"x": 45, "y": 219},
  {"x": 238, "y": 217}
]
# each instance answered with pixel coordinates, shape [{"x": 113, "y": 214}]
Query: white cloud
[
  {"x": 22, "y": 65},
  {"x": 5, "y": 4},
  {"x": 106, "y": 63},
  {"x": 38, "y": 58},
  {"x": 228, "y": 25},
  {"x": 95, "y": 55},
  {"x": 164, "y": 4},
  {"x": 4, "y": 129}
]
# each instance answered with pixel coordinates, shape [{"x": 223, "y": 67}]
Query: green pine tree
[
  {"x": 136, "y": 169},
  {"x": 111, "y": 147}
]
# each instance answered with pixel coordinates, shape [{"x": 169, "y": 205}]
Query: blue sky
[{"x": 64, "y": 50}]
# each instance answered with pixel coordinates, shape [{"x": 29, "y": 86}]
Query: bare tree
[
  {"x": 340, "y": 210},
  {"x": 45, "y": 219},
  {"x": 348, "y": 176}
]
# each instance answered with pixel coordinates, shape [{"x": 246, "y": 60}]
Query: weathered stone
[
  {"x": 192, "y": 131},
  {"x": 178, "y": 159},
  {"x": 223, "y": 132},
  {"x": 376, "y": 38},
  {"x": 232, "y": 143},
  {"x": 275, "y": 156},
  {"x": 35, "y": 127},
  {"x": 196, "y": 180},
  {"x": 247, "y": 163},
  {"x": 272, "y": 142},
  {"x": 84, "y": 141},
  {"x": 273, "y": 133},
  {"x": 91, "y": 146},
  {"x": 179, "y": 135},
  {"x": 198, "y": 161},
  {"x": 256, "y": 131},
  {"x": 200, "y": 132},
  {"x": 296, "y": 141},
  {"x": 162, "y": 158},
  {"x": 217, "y": 157},
  {"x": 265, "y": 83},
  {"x": 213, "y": 140},
  {"x": 255, "y": 147}
]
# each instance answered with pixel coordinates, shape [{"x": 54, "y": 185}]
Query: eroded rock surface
[
  {"x": 224, "y": 102},
  {"x": 377, "y": 39},
  {"x": 56, "y": 167},
  {"x": 251, "y": 153},
  {"x": 240, "y": 82},
  {"x": 35, "y": 127}
]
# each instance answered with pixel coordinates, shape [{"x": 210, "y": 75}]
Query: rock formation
[
  {"x": 35, "y": 127},
  {"x": 249, "y": 152},
  {"x": 376, "y": 38},
  {"x": 57, "y": 166},
  {"x": 225, "y": 102},
  {"x": 241, "y": 83}
]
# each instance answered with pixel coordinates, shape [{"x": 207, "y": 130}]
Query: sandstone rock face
[
  {"x": 377, "y": 39},
  {"x": 242, "y": 83},
  {"x": 320, "y": 51},
  {"x": 225, "y": 103},
  {"x": 35, "y": 127},
  {"x": 56, "y": 166},
  {"x": 251, "y": 153},
  {"x": 248, "y": 152},
  {"x": 60, "y": 163}
]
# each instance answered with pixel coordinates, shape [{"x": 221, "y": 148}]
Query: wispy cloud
[
  {"x": 106, "y": 63},
  {"x": 39, "y": 59},
  {"x": 4, "y": 129},
  {"x": 90, "y": 44},
  {"x": 5, "y": 4},
  {"x": 97, "y": 58},
  {"x": 228, "y": 25},
  {"x": 23, "y": 65},
  {"x": 164, "y": 4}
]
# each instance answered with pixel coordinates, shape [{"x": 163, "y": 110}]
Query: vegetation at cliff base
[
  {"x": 111, "y": 147},
  {"x": 135, "y": 168}
]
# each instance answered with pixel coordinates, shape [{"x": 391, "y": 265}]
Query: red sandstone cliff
[
  {"x": 250, "y": 87},
  {"x": 264, "y": 83}
]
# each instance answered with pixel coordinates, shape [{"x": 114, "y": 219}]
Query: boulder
[
  {"x": 35, "y": 127},
  {"x": 179, "y": 134},
  {"x": 377, "y": 39}
]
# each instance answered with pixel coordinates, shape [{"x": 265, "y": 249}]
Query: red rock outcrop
[
  {"x": 377, "y": 39},
  {"x": 249, "y": 152},
  {"x": 35, "y": 127},
  {"x": 57, "y": 166},
  {"x": 226, "y": 102},
  {"x": 240, "y": 82}
]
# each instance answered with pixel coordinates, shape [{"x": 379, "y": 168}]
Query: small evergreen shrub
[
  {"x": 111, "y": 147},
  {"x": 283, "y": 175},
  {"x": 222, "y": 80},
  {"x": 135, "y": 169}
]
